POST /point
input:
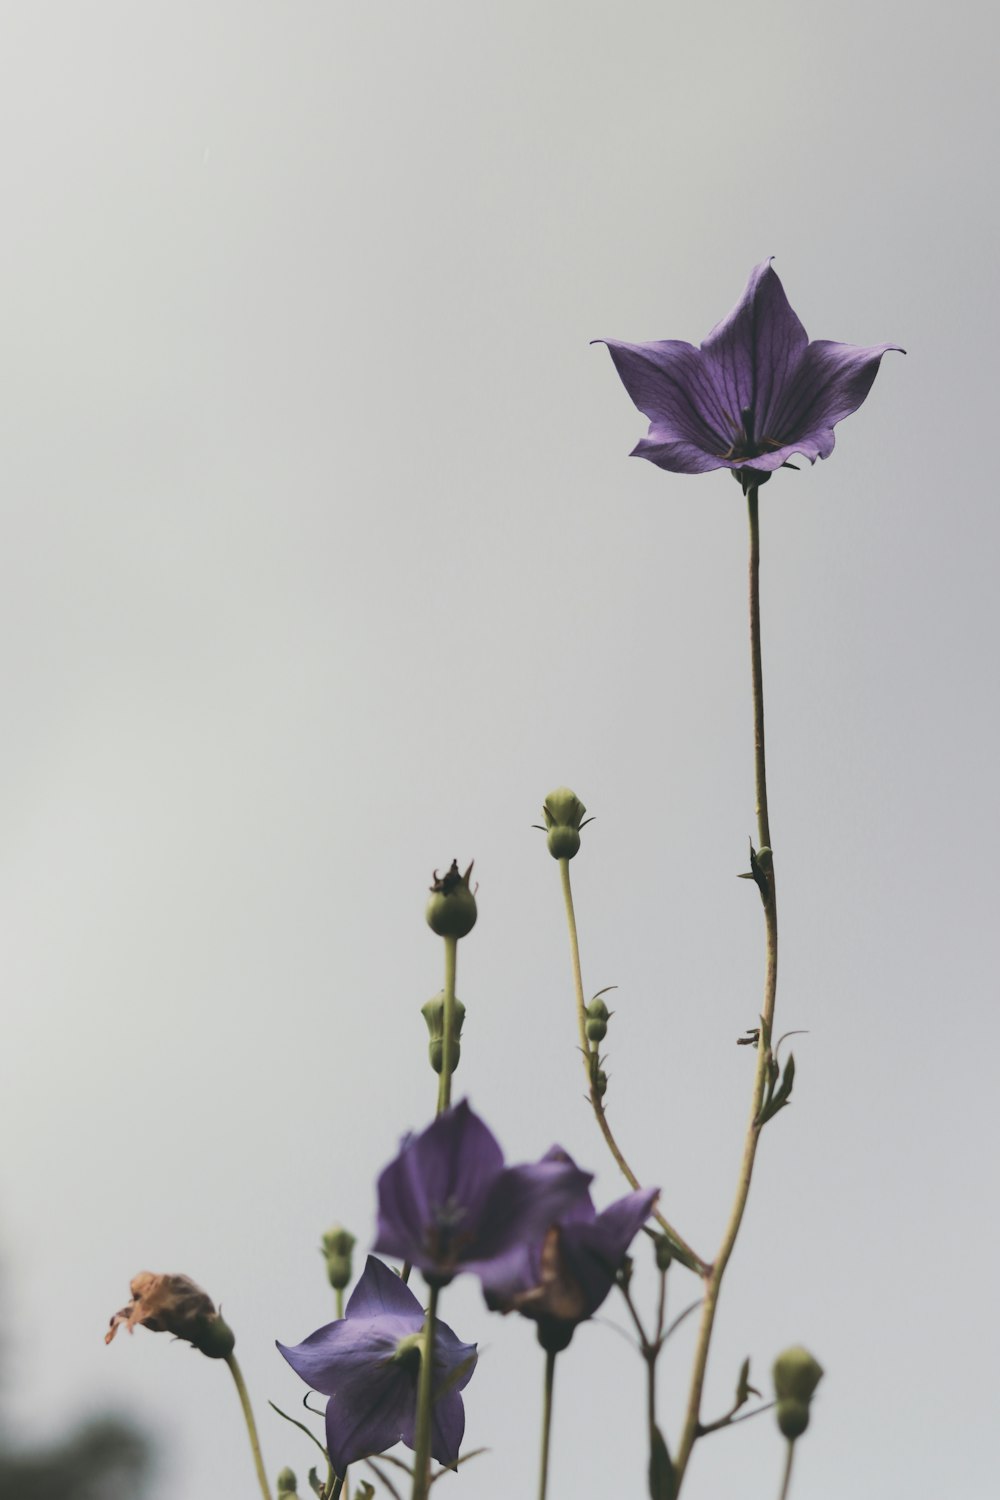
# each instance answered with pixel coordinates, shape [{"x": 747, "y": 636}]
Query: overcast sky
[{"x": 323, "y": 561}]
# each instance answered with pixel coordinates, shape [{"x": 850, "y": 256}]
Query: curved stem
[
  {"x": 450, "y": 965},
  {"x": 550, "y": 1374},
  {"x": 425, "y": 1404},
  {"x": 786, "y": 1482},
  {"x": 244, "y": 1396},
  {"x": 596, "y": 1105},
  {"x": 714, "y": 1279}
]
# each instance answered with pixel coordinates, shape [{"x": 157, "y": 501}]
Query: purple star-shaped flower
[
  {"x": 447, "y": 1203},
  {"x": 562, "y": 1278},
  {"x": 756, "y": 391},
  {"x": 368, "y": 1364}
]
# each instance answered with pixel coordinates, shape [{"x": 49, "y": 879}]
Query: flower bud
[
  {"x": 796, "y": 1376},
  {"x": 600, "y": 1083},
  {"x": 336, "y": 1247},
  {"x": 664, "y": 1254},
  {"x": 175, "y": 1304},
  {"x": 451, "y": 910},
  {"x": 597, "y": 1020},
  {"x": 287, "y": 1482},
  {"x": 564, "y": 816},
  {"x": 433, "y": 1014}
]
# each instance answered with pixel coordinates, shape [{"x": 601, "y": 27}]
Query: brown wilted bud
[{"x": 175, "y": 1304}]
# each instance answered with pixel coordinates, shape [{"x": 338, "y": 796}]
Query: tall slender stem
[
  {"x": 593, "y": 1096},
  {"x": 786, "y": 1482},
  {"x": 550, "y": 1375},
  {"x": 450, "y": 965},
  {"x": 425, "y": 1404},
  {"x": 244, "y": 1396},
  {"x": 713, "y": 1281}
]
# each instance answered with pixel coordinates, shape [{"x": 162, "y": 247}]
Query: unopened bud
[
  {"x": 337, "y": 1244},
  {"x": 564, "y": 816},
  {"x": 664, "y": 1254},
  {"x": 600, "y": 1083},
  {"x": 796, "y": 1376},
  {"x": 177, "y": 1305},
  {"x": 433, "y": 1014},
  {"x": 597, "y": 1020},
  {"x": 287, "y": 1482},
  {"x": 451, "y": 910}
]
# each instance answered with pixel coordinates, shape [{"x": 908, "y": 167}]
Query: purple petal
[
  {"x": 621, "y": 1221},
  {"x": 379, "y": 1291},
  {"x": 523, "y": 1202},
  {"x": 582, "y": 1209},
  {"x": 439, "y": 1181},
  {"x": 448, "y": 1424},
  {"x": 346, "y": 1352},
  {"x": 592, "y": 1253},
  {"x": 366, "y": 1419},
  {"x": 831, "y": 382},
  {"x": 672, "y": 384},
  {"x": 754, "y": 352},
  {"x": 678, "y": 458}
]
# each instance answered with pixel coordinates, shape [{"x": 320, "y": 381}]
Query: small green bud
[
  {"x": 564, "y": 816},
  {"x": 664, "y": 1254},
  {"x": 433, "y": 1014},
  {"x": 796, "y": 1376},
  {"x": 451, "y": 910},
  {"x": 597, "y": 1020},
  {"x": 337, "y": 1245},
  {"x": 287, "y": 1482},
  {"x": 600, "y": 1083}
]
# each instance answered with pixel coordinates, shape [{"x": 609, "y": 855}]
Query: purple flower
[
  {"x": 756, "y": 391},
  {"x": 563, "y": 1277},
  {"x": 368, "y": 1364},
  {"x": 447, "y": 1203}
]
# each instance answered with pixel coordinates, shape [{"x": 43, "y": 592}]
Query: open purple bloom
[
  {"x": 368, "y": 1364},
  {"x": 756, "y": 391},
  {"x": 447, "y": 1203},
  {"x": 562, "y": 1278}
]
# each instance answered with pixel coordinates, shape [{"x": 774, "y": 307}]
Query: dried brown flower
[{"x": 175, "y": 1304}]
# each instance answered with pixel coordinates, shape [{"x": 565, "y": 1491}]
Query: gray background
[{"x": 323, "y": 562}]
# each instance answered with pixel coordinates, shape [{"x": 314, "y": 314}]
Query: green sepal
[
  {"x": 662, "y": 1483},
  {"x": 316, "y": 1484},
  {"x": 365, "y": 1490},
  {"x": 761, "y": 864},
  {"x": 777, "y": 1098},
  {"x": 744, "y": 1390}
]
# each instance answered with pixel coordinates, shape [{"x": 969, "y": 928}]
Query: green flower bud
[
  {"x": 336, "y": 1247},
  {"x": 664, "y": 1254},
  {"x": 287, "y": 1482},
  {"x": 597, "y": 1020},
  {"x": 564, "y": 816},
  {"x": 451, "y": 911},
  {"x": 433, "y": 1014},
  {"x": 796, "y": 1376},
  {"x": 600, "y": 1083}
]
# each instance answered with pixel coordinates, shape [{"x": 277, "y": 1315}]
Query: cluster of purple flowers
[{"x": 447, "y": 1204}]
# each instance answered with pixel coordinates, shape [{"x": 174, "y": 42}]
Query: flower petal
[
  {"x": 671, "y": 383},
  {"x": 523, "y": 1202},
  {"x": 754, "y": 351},
  {"x": 621, "y": 1221},
  {"x": 678, "y": 458},
  {"x": 441, "y": 1176},
  {"x": 379, "y": 1291},
  {"x": 454, "y": 1364},
  {"x": 345, "y": 1352},
  {"x": 368, "y": 1418},
  {"x": 831, "y": 381}
]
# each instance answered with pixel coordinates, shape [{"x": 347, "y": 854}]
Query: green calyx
[
  {"x": 336, "y": 1247},
  {"x": 433, "y": 1014},
  {"x": 451, "y": 910},
  {"x": 408, "y": 1351}
]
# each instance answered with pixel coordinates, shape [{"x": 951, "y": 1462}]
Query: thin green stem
[
  {"x": 593, "y": 1096},
  {"x": 338, "y": 1299},
  {"x": 713, "y": 1281},
  {"x": 244, "y": 1396},
  {"x": 786, "y": 1482},
  {"x": 550, "y": 1375},
  {"x": 450, "y": 965},
  {"x": 425, "y": 1404}
]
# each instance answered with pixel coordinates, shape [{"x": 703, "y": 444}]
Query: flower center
[{"x": 444, "y": 1240}]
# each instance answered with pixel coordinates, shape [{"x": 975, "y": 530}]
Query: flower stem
[
  {"x": 425, "y": 1404},
  {"x": 450, "y": 964},
  {"x": 593, "y": 1096},
  {"x": 550, "y": 1375},
  {"x": 244, "y": 1396},
  {"x": 713, "y": 1281},
  {"x": 786, "y": 1482}
]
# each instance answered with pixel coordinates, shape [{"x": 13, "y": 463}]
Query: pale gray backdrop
[{"x": 323, "y": 561}]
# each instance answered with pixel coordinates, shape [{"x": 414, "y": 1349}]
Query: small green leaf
[
  {"x": 315, "y": 1485},
  {"x": 661, "y": 1469}
]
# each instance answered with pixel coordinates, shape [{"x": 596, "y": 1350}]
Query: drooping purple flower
[
  {"x": 368, "y": 1364},
  {"x": 447, "y": 1203},
  {"x": 561, "y": 1278},
  {"x": 755, "y": 392}
]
